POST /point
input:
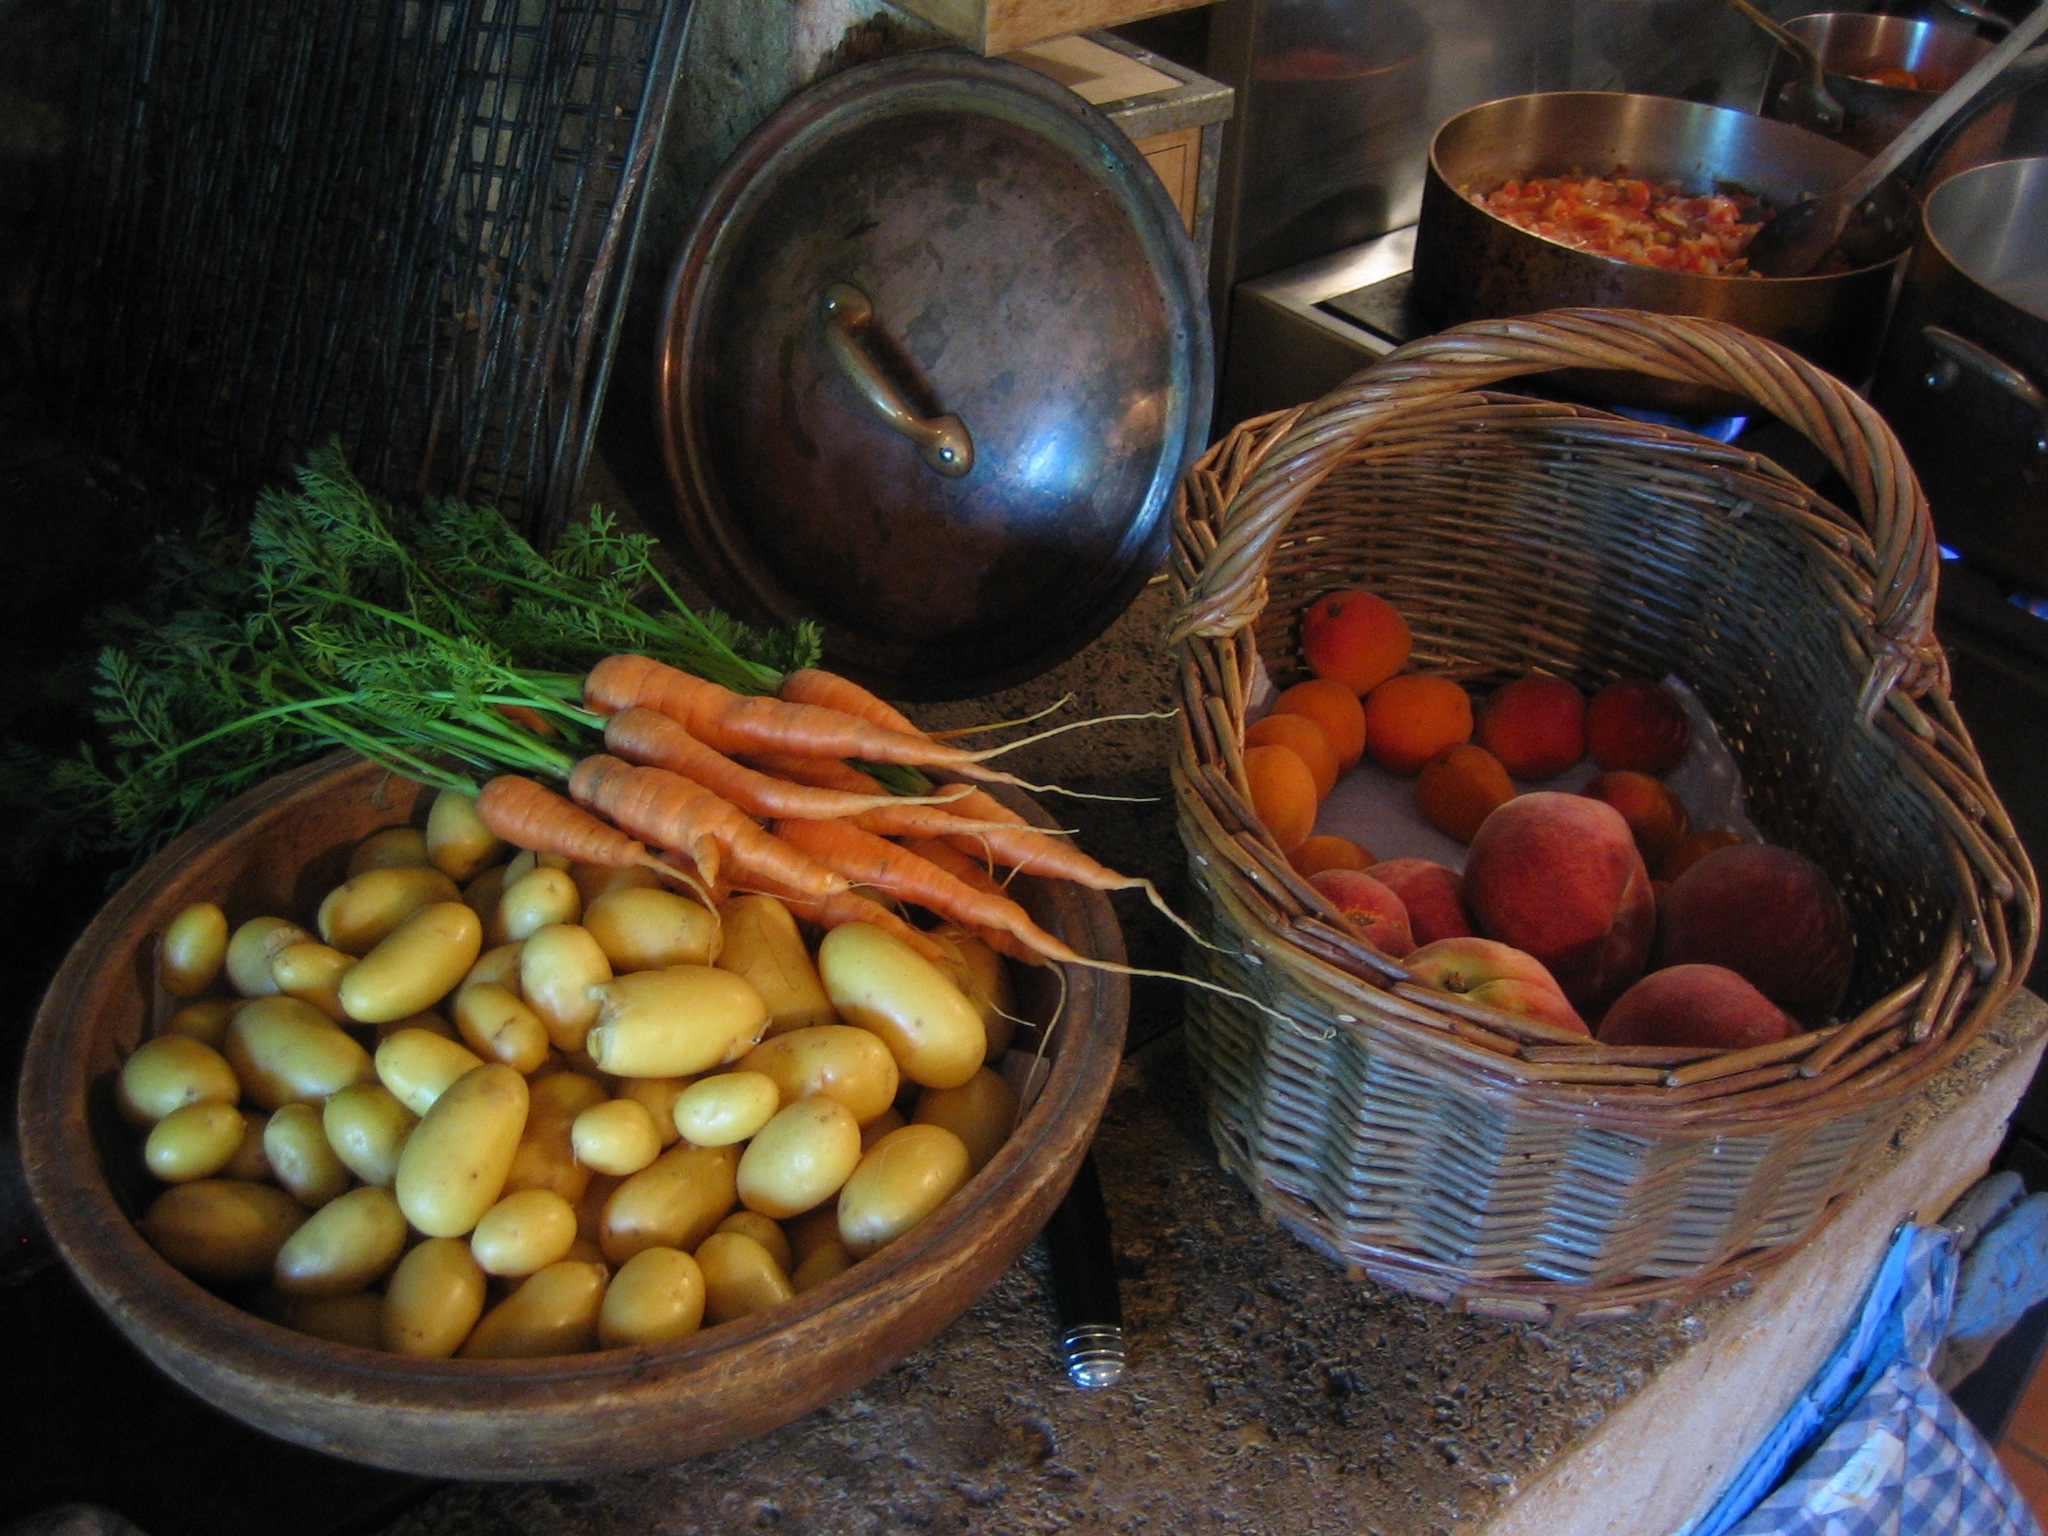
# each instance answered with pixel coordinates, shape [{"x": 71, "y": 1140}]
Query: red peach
[
  {"x": 1535, "y": 725},
  {"x": 1637, "y": 724},
  {"x": 1495, "y": 974},
  {"x": 1376, "y": 913},
  {"x": 1693, "y": 847},
  {"x": 1654, "y": 814},
  {"x": 1559, "y": 876},
  {"x": 1433, "y": 893},
  {"x": 1768, "y": 914},
  {"x": 1698, "y": 1005}
]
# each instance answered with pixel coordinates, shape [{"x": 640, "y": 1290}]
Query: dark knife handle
[{"x": 1084, "y": 1289}]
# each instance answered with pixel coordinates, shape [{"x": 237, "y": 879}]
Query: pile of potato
[{"x": 493, "y": 1106}]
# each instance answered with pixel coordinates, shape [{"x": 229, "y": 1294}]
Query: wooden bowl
[{"x": 275, "y": 850}]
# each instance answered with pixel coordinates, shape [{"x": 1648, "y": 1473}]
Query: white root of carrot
[{"x": 999, "y": 725}]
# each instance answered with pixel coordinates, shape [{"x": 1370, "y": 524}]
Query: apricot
[
  {"x": 1460, "y": 787},
  {"x": 1559, "y": 876},
  {"x": 1305, "y": 739},
  {"x": 1637, "y": 724},
  {"x": 1411, "y": 718},
  {"x": 1698, "y": 1005},
  {"x": 1375, "y": 913},
  {"x": 1325, "y": 851},
  {"x": 1654, "y": 814},
  {"x": 1354, "y": 638},
  {"x": 1770, "y": 915},
  {"x": 1535, "y": 725},
  {"x": 1495, "y": 974},
  {"x": 1433, "y": 893},
  {"x": 1336, "y": 709},
  {"x": 1283, "y": 794},
  {"x": 1691, "y": 848}
]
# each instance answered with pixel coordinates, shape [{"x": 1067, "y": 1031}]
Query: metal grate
[{"x": 404, "y": 223}]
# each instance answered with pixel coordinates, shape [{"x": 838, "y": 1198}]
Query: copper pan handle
[{"x": 942, "y": 441}]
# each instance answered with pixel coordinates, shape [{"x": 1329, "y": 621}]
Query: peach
[
  {"x": 1460, "y": 787},
  {"x": 1336, "y": 709},
  {"x": 1637, "y": 724},
  {"x": 1376, "y": 913},
  {"x": 1354, "y": 638},
  {"x": 1559, "y": 876},
  {"x": 1411, "y": 718},
  {"x": 1770, "y": 915},
  {"x": 1325, "y": 851},
  {"x": 1699, "y": 1005},
  {"x": 1495, "y": 974},
  {"x": 1693, "y": 847},
  {"x": 1535, "y": 725},
  {"x": 1433, "y": 893},
  {"x": 1654, "y": 814},
  {"x": 1283, "y": 793},
  {"x": 1305, "y": 739}
]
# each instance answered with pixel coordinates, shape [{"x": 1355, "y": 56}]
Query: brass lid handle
[{"x": 942, "y": 442}]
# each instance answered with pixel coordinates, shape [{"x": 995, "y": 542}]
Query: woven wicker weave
[{"x": 1488, "y": 1161}]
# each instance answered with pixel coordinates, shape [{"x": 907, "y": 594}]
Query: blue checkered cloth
[{"x": 1875, "y": 1447}]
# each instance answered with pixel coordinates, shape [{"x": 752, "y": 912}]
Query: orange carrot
[
  {"x": 828, "y": 690},
  {"x": 850, "y": 907},
  {"x": 529, "y": 815},
  {"x": 972, "y": 873}
]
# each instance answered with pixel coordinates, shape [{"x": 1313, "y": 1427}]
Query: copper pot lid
[{"x": 935, "y": 356}]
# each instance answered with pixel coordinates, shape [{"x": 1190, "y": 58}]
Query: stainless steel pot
[
  {"x": 1472, "y": 265},
  {"x": 1964, "y": 375},
  {"x": 1851, "y": 45}
]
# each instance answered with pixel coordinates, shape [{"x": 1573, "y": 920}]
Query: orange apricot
[
  {"x": 1307, "y": 740},
  {"x": 1354, "y": 638},
  {"x": 1336, "y": 709},
  {"x": 1327, "y": 851},
  {"x": 1460, "y": 787},
  {"x": 1411, "y": 717},
  {"x": 1283, "y": 793}
]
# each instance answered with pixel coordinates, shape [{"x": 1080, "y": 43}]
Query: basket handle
[{"x": 1229, "y": 590}]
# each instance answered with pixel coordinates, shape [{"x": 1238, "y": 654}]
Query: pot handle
[
  {"x": 943, "y": 442},
  {"x": 1901, "y": 557},
  {"x": 1956, "y": 355}
]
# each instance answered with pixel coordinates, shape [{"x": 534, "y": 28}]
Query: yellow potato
[
  {"x": 798, "y": 1160},
  {"x": 642, "y": 929},
  {"x": 674, "y": 1022},
  {"x": 616, "y": 1137},
  {"x": 312, "y": 973},
  {"x": 546, "y": 1158},
  {"x": 901, "y": 1179},
  {"x": 286, "y": 1051},
  {"x": 740, "y": 1276},
  {"x": 355, "y": 1319},
  {"x": 554, "y": 1312},
  {"x": 981, "y": 1112},
  {"x": 295, "y": 1145},
  {"x": 560, "y": 965},
  {"x": 499, "y": 1027},
  {"x": 593, "y": 880},
  {"x": 367, "y": 1127},
  {"x": 426, "y": 1019},
  {"x": 726, "y": 1109},
  {"x": 535, "y": 899},
  {"x": 527, "y": 860},
  {"x": 418, "y": 1065},
  {"x": 194, "y": 1141},
  {"x": 676, "y": 1201},
  {"x": 762, "y": 944},
  {"x": 224, "y": 1231},
  {"x": 193, "y": 947},
  {"x": 249, "y": 1162},
  {"x": 879, "y": 982},
  {"x": 835, "y": 1061},
  {"x": 656, "y": 1296},
  {"x": 205, "y": 1021},
  {"x": 657, "y": 1095},
  {"x": 525, "y": 1231},
  {"x": 390, "y": 847},
  {"x": 810, "y": 1232},
  {"x": 500, "y": 964},
  {"x": 433, "y": 1299},
  {"x": 252, "y": 947},
  {"x": 347, "y": 1244},
  {"x": 168, "y": 1073},
  {"x": 360, "y": 913},
  {"x": 887, "y": 1121},
  {"x": 458, "y": 842},
  {"x": 825, "y": 1261},
  {"x": 454, "y": 1164},
  {"x": 761, "y": 1229},
  {"x": 415, "y": 966},
  {"x": 984, "y": 976}
]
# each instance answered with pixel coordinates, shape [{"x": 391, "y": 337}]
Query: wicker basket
[{"x": 1453, "y": 1151}]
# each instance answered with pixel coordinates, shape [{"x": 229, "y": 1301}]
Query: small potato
[
  {"x": 252, "y": 947},
  {"x": 499, "y": 1027},
  {"x": 798, "y": 1160},
  {"x": 360, "y": 913},
  {"x": 740, "y": 1276},
  {"x": 674, "y": 1022},
  {"x": 355, "y": 1319},
  {"x": 205, "y": 1021},
  {"x": 983, "y": 975},
  {"x": 223, "y": 1231},
  {"x": 367, "y": 1127},
  {"x": 418, "y": 1065},
  {"x": 454, "y": 1164},
  {"x": 642, "y": 929},
  {"x": 286, "y": 1051},
  {"x": 879, "y": 982},
  {"x": 249, "y": 1163},
  {"x": 169, "y": 1072},
  {"x": 981, "y": 1112},
  {"x": 808, "y": 1233},
  {"x": 295, "y": 1145},
  {"x": 192, "y": 949},
  {"x": 546, "y": 1158},
  {"x": 762, "y": 944},
  {"x": 195, "y": 1141},
  {"x": 657, "y": 1095},
  {"x": 593, "y": 880},
  {"x": 481, "y": 897},
  {"x": 499, "y": 965},
  {"x": 616, "y": 1137},
  {"x": 724, "y": 1110},
  {"x": 901, "y": 1180},
  {"x": 767, "y": 1233},
  {"x": 458, "y": 842},
  {"x": 554, "y": 1312},
  {"x": 312, "y": 973},
  {"x": 656, "y": 1296},
  {"x": 525, "y": 1231},
  {"x": 674, "y": 1202},
  {"x": 347, "y": 1244},
  {"x": 535, "y": 899},
  {"x": 836, "y": 1061},
  {"x": 415, "y": 966},
  {"x": 825, "y": 1261},
  {"x": 527, "y": 860},
  {"x": 433, "y": 1300},
  {"x": 560, "y": 965},
  {"x": 426, "y": 1019},
  {"x": 888, "y": 1120},
  {"x": 392, "y": 847}
]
